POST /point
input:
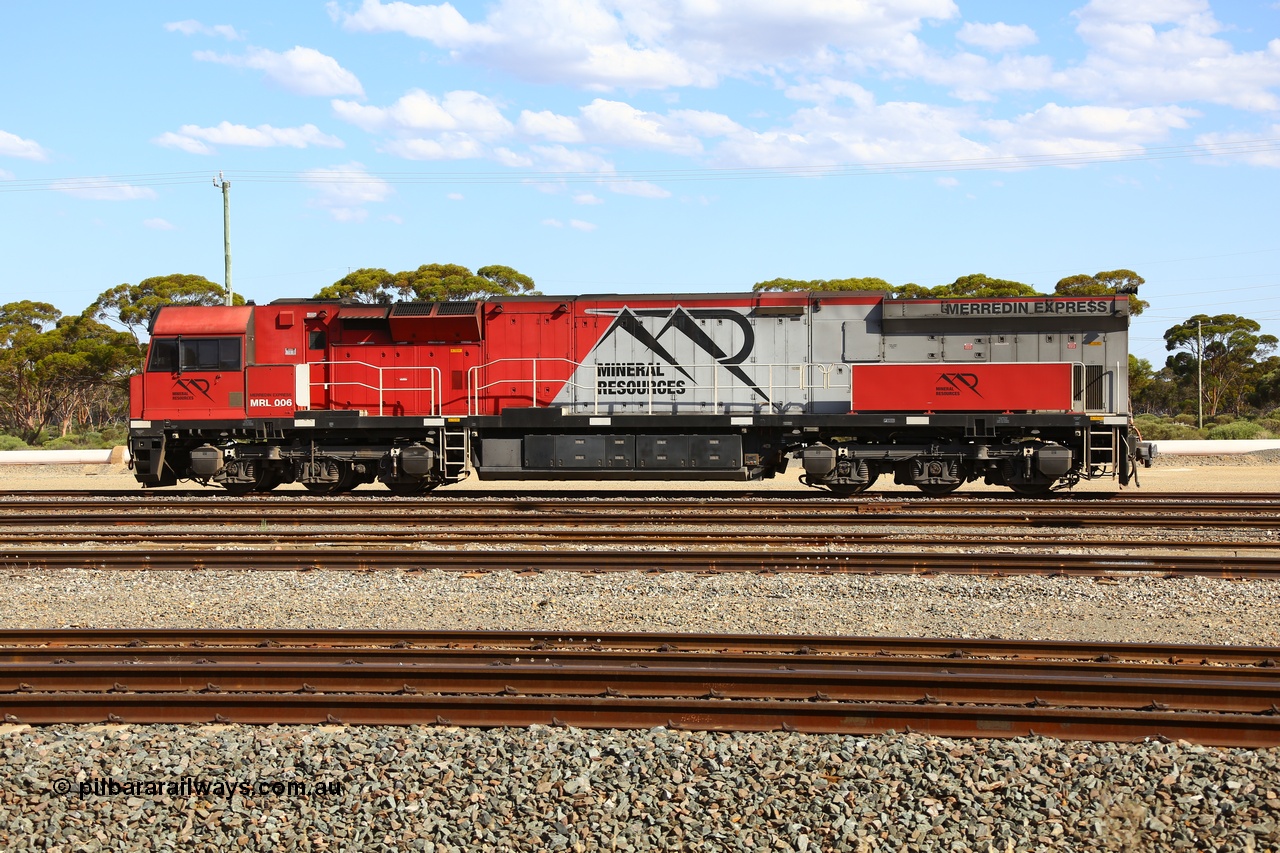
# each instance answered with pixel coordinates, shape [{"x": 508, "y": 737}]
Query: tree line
[{"x": 64, "y": 373}]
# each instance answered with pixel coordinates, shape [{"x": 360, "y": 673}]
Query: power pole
[
  {"x": 226, "y": 229},
  {"x": 1199, "y": 371}
]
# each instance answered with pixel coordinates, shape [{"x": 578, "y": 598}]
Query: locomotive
[{"x": 1029, "y": 393}]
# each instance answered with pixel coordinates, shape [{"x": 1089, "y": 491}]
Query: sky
[{"x": 647, "y": 146}]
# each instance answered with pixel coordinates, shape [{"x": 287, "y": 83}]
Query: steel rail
[
  {"x": 910, "y": 561},
  {"x": 534, "y": 491},
  {"x": 649, "y": 513},
  {"x": 799, "y": 683},
  {"x": 532, "y": 535},
  {"x": 816, "y": 716},
  {"x": 131, "y": 641},
  {"x": 473, "y": 671},
  {"x": 696, "y": 676}
]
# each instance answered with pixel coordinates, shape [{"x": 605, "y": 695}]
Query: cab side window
[
  {"x": 164, "y": 355},
  {"x": 197, "y": 354}
]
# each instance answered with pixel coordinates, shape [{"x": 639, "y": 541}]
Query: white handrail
[
  {"x": 433, "y": 388},
  {"x": 524, "y": 371}
]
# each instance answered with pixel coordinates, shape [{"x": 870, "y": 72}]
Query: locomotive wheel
[
  {"x": 347, "y": 480},
  {"x": 845, "y": 490},
  {"x": 265, "y": 482},
  {"x": 269, "y": 481},
  {"x": 938, "y": 490}
]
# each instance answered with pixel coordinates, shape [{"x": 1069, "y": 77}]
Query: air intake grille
[
  {"x": 412, "y": 309},
  {"x": 451, "y": 309},
  {"x": 1094, "y": 387}
]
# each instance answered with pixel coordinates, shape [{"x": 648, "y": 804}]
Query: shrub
[
  {"x": 12, "y": 442},
  {"x": 1237, "y": 431},
  {"x": 1189, "y": 420},
  {"x": 1154, "y": 429}
]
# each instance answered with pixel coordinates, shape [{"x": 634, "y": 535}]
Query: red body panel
[
  {"x": 194, "y": 395},
  {"x": 199, "y": 320},
  {"x": 136, "y": 402},
  {"x": 956, "y": 387},
  {"x": 270, "y": 391},
  {"x": 524, "y": 341},
  {"x": 279, "y": 336}
]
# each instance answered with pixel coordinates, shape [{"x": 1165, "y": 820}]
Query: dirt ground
[{"x": 1252, "y": 472}]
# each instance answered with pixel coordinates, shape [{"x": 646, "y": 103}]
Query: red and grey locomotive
[{"x": 1030, "y": 393}]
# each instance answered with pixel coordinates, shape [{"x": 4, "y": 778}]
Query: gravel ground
[
  {"x": 447, "y": 789},
  {"x": 444, "y": 789},
  {"x": 1130, "y": 609}
]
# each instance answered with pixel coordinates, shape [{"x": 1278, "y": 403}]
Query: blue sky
[{"x": 647, "y": 145}]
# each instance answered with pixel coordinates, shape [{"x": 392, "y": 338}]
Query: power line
[{"x": 614, "y": 176}]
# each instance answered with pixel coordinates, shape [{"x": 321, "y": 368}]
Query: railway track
[
  {"x": 1255, "y": 512},
  {"x": 468, "y": 493},
  {"x": 500, "y": 536},
  {"x": 1221, "y": 696},
  {"x": 766, "y": 535},
  {"x": 314, "y": 557}
]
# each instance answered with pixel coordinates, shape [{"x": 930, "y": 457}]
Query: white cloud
[
  {"x": 442, "y": 24},
  {"x": 997, "y": 37},
  {"x": 512, "y": 159},
  {"x": 1062, "y": 130},
  {"x": 827, "y": 89},
  {"x": 1246, "y": 147},
  {"x": 618, "y": 123},
  {"x": 587, "y": 198},
  {"x": 169, "y": 139},
  {"x": 703, "y": 123},
  {"x": 12, "y": 145},
  {"x": 197, "y": 140},
  {"x": 642, "y": 189},
  {"x": 102, "y": 189},
  {"x": 553, "y": 223},
  {"x": 558, "y": 158},
  {"x": 417, "y": 110},
  {"x": 302, "y": 70},
  {"x": 461, "y": 125},
  {"x": 344, "y": 190},
  {"x": 947, "y": 183},
  {"x": 1146, "y": 123},
  {"x": 582, "y": 226},
  {"x": 608, "y": 122},
  {"x": 895, "y": 132},
  {"x": 549, "y": 126},
  {"x": 607, "y": 44},
  {"x": 455, "y": 196},
  {"x": 158, "y": 224},
  {"x": 1157, "y": 51},
  {"x": 447, "y": 146},
  {"x": 6, "y": 176},
  {"x": 191, "y": 28}
]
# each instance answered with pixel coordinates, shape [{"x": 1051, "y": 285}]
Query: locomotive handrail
[
  {"x": 772, "y": 384},
  {"x": 474, "y": 389},
  {"x": 432, "y": 372}
]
